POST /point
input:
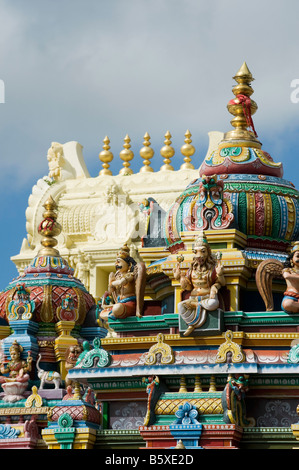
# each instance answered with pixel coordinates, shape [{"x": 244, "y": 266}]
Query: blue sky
[{"x": 81, "y": 70}]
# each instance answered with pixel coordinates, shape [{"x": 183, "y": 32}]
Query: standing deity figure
[
  {"x": 55, "y": 160},
  {"x": 290, "y": 301},
  {"x": 82, "y": 269},
  {"x": 204, "y": 278},
  {"x": 126, "y": 288}
]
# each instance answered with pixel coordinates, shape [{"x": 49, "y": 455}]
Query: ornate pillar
[{"x": 63, "y": 342}]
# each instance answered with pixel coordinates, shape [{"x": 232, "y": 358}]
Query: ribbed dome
[
  {"x": 240, "y": 187},
  {"x": 47, "y": 291},
  {"x": 265, "y": 208},
  {"x": 49, "y": 280}
]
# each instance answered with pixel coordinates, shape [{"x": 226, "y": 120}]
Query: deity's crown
[
  {"x": 201, "y": 240},
  {"x": 124, "y": 252},
  {"x": 16, "y": 346},
  {"x": 295, "y": 247}
]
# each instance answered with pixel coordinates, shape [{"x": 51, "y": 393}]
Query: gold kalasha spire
[
  {"x": 187, "y": 150},
  {"x": 244, "y": 72},
  {"x": 242, "y": 107},
  {"x": 106, "y": 156},
  {"x": 167, "y": 153},
  {"x": 146, "y": 152},
  {"x": 126, "y": 155},
  {"x": 49, "y": 228}
]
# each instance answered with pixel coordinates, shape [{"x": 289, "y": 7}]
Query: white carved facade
[{"x": 97, "y": 214}]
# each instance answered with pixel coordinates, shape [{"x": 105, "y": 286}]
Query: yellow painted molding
[
  {"x": 242, "y": 338},
  {"x": 5, "y": 331},
  {"x": 63, "y": 342},
  {"x": 84, "y": 438},
  {"x": 48, "y": 436}
]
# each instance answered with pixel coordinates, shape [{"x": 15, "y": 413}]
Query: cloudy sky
[{"x": 83, "y": 69}]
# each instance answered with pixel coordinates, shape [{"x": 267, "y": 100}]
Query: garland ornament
[
  {"x": 160, "y": 353},
  {"x": 229, "y": 351}
]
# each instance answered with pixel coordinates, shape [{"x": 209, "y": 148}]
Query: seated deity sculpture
[
  {"x": 204, "y": 278},
  {"x": 290, "y": 301},
  {"x": 17, "y": 369},
  {"x": 125, "y": 295}
]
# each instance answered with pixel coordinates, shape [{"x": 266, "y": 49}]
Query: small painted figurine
[
  {"x": 204, "y": 279},
  {"x": 16, "y": 368},
  {"x": 126, "y": 288},
  {"x": 71, "y": 358},
  {"x": 67, "y": 310},
  {"x": 290, "y": 301}
]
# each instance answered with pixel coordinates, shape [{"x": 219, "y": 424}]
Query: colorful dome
[
  {"x": 240, "y": 187},
  {"x": 240, "y": 151},
  {"x": 47, "y": 291},
  {"x": 265, "y": 208}
]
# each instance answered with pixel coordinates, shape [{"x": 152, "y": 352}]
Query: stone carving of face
[
  {"x": 14, "y": 354},
  {"x": 201, "y": 254},
  {"x": 121, "y": 265}
]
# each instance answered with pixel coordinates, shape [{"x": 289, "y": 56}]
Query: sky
[{"x": 83, "y": 69}]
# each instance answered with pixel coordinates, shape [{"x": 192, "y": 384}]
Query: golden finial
[
  {"x": 167, "y": 152},
  {"x": 49, "y": 228},
  {"x": 146, "y": 153},
  {"x": 126, "y": 155},
  {"x": 242, "y": 107},
  {"x": 106, "y": 157},
  {"x": 187, "y": 150},
  {"x": 244, "y": 72}
]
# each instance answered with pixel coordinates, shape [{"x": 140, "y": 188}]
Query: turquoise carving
[
  {"x": 96, "y": 357},
  {"x": 21, "y": 307},
  {"x": 186, "y": 414},
  {"x": 231, "y": 152},
  {"x": 7, "y": 432},
  {"x": 186, "y": 429},
  {"x": 65, "y": 421},
  {"x": 293, "y": 356}
]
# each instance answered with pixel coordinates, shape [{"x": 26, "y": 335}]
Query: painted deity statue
[
  {"x": 204, "y": 278},
  {"x": 290, "y": 301},
  {"x": 274, "y": 268},
  {"x": 71, "y": 357},
  {"x": 126, "y": 288},
  {"x": 15, "y": 383},
  {"x": 16, "y": 368}
]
